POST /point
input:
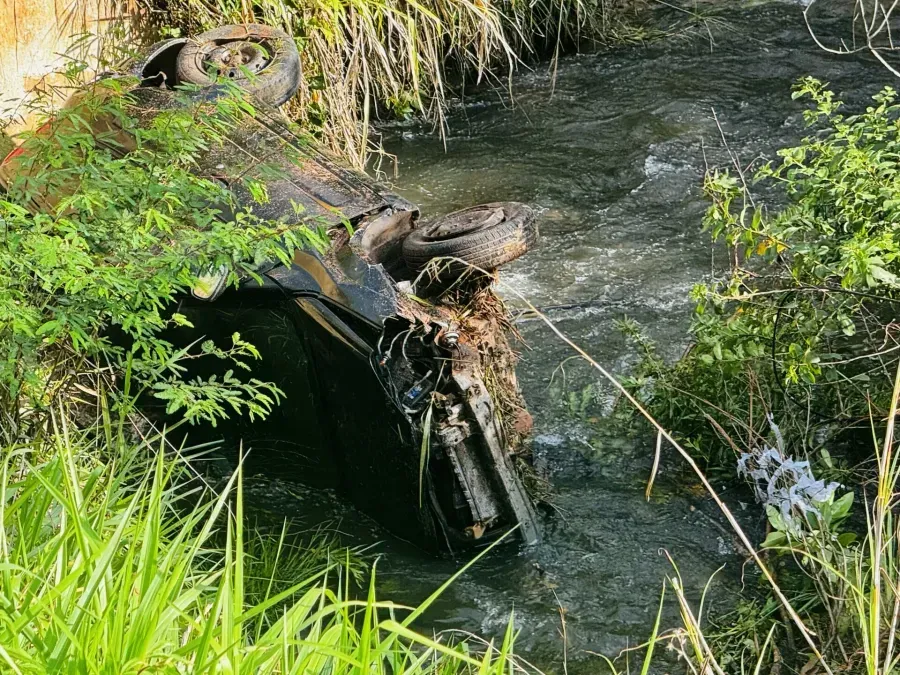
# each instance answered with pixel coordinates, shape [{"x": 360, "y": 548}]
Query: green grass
[
  {"x": 846, "y": 590},
  {"x": 117, "y": 558},
  {"x": 362, "y": 58}
]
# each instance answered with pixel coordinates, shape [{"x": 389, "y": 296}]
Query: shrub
[
  {"x": 802, "y": 325},
  {"x": 105, "y": 223}
]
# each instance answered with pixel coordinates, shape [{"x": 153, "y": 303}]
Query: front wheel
[{"x": 482, "y": 237}]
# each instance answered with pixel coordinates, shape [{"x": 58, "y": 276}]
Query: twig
[
  {"x": 655, "y": 467},
  {"x": 734, "y": 159},
  {"x": 562, "y": 633}
]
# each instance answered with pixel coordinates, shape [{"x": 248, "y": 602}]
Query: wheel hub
[{"x": 234, "y": 58}]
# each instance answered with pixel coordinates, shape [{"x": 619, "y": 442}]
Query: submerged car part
[
  {"x": 474, "y": 482},
  {"x": 373, "y": 374}
]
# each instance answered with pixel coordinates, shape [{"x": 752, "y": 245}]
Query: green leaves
[
  {"x": 775, "y": 539},
  {"x": 104, "y": 224},
  {"x": 116, "y": 559},
  {"x": 838, "y": 510},
  {"x": 815, "y": 282}
]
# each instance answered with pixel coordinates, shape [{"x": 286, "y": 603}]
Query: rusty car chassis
[{"x": 402, "y": 395}]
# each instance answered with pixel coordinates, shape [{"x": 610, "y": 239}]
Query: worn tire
[
  {"x": 485, "y": 237},
  {"x": 273, "y": 83}
]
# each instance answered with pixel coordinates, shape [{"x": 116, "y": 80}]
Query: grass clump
[
  {"x": 117, "y": 558},
  {"x": 844, "y": 588},
  {"x": 371, "y": 57}
]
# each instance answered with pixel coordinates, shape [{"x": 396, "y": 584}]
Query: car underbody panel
[
  {"x": 430, "y": 358},
  {"x": 364, "y": 400}
]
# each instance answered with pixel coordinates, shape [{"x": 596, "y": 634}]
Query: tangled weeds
[
  {"x": 784, "y": 483},
  {"x": 471, "y": 308},
  {"x": 484, "y": 322}
]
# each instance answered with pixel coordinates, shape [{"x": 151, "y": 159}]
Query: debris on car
[{"x": 392, "y": 347}]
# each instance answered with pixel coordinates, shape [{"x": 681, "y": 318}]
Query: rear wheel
[
  {"x": 482, "y": 237},
  {"x": 262, "y": 60}
]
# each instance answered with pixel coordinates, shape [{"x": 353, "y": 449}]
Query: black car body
[{"x": 375, "y": 378}]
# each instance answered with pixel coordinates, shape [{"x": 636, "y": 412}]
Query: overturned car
[{"x": 391, "y": 346}]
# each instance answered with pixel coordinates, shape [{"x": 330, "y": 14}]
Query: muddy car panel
[
  {"x": 362, "y": 339},
  {"x": 335, "y": 428},
  {"x": 355, "y": 400}
]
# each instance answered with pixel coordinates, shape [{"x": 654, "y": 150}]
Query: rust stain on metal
[{"x": 37, "y": 34}]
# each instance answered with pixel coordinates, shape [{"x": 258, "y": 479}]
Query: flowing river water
[{"x": 612, "y": 148}]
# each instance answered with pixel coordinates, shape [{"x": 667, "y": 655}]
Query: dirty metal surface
[
  {"x": 361, "y": 289},
  {"x": 481, "y": 451},
  {"x": 302, "y": 183},
  {"x": 480, "y": 406}
]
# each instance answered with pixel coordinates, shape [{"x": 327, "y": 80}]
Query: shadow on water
[{"x": 614, "y": 157}]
